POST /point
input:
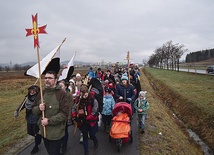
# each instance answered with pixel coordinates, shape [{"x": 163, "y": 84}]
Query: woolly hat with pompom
[
  {"x": 143, "y": 94},
  {"x": 78, "y": 74},
  {"x": 124, "y": 78}
]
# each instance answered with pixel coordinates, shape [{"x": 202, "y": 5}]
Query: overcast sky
[{"x": 104, "y": 30}]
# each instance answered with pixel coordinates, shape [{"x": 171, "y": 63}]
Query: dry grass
[
  {"x": 190, "y": 96},
  {"x": 13, "y": 88},
  {"x": 164, "y": 134},
  {"x": 172, "y": 140}
]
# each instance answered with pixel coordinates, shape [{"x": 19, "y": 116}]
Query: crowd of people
[{"x": 63, "y": 103}]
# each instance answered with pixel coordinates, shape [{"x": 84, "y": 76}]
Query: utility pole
[{"x": 10, "y": 64}]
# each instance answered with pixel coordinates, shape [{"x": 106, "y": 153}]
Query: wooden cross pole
[
  {"x": 128, "y": 59},
  {"x": 35, "y": 31},
  {"x": 40, "y": 85}
]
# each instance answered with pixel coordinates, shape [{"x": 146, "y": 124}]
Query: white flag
[
  {"x": 51, "y": 61},
  {"x": 68, "y": 70}
]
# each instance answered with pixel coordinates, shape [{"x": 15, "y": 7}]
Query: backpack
[{"x": 96, "y": 91}]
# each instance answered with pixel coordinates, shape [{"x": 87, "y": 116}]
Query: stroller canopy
[{"x": 122, "y": 107}]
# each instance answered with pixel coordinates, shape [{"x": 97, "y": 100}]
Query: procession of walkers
[{"x": 85, "y": 102}]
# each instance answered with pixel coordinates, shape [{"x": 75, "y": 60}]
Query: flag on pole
[
  {"x": 50, "y": 62},
  {"x": 36, "y": 30},
  {"x": 68, "y": 70}
]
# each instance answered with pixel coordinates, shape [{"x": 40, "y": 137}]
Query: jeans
[
  {"x": 141, "y": 119},
  {"x": 52, "y": 146},
  {"x": 88, "y": 129}
]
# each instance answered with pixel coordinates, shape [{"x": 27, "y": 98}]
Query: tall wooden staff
[
  {"x": 35, "y": 31},
  {"x": 128, "y": 59}
]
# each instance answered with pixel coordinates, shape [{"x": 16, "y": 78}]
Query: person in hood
[{"x": 32, "y": 127}]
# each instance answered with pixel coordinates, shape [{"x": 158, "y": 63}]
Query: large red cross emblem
[{"x": 35, "y": 31}]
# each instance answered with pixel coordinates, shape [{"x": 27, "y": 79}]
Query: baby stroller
[{"x": 121, "y": 124}]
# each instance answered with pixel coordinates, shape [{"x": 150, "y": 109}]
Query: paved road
[
  {"x": 198, "y": 71},
  {"x": 105, "y": 147},
  {"x": 193, "y": 71}
]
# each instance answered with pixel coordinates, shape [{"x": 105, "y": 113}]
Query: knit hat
[
  {"x": 72, "y": 80},
  {"x": 124, "y": 74},
  {"x": 124, "y": 78},
  {"x": 35, "y": 87},
  {"x": 143, "y": 94},
  {"x": 78, "y": 74}
]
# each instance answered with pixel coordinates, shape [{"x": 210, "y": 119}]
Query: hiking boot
[
  {"x": 104, "y": 127},
  {"x": 86, "y": 153},
  {"x": 63, "y": 149},
  {"x": 35, "y": 150},
  {"x": 95, "y": 145},
  {"x": 142, "y": 131},
  {"x": 107, "y": 129}
]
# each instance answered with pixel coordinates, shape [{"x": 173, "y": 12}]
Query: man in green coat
[{"x": 55, "y": 107}]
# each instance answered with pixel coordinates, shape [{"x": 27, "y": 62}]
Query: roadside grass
[
  {"x": 13, "y": 88},
  {"x": 163, "y": 133},
  {"x": 195, "y": 87},
  {"x": 12, "y": 92},
  {"x": 190, "y": 96}
]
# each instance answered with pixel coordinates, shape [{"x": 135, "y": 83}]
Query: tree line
[
  {"x": 200, "y": 55},
  {"x": 16, "y": 67},
  {"x": 168, "y": 56}
]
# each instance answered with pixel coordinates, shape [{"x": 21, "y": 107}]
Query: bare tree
[
  {"x": 7, "y": 68},
  {"x": 169, "y": 54}
]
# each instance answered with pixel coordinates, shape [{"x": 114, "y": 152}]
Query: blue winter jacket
[
  {"x": 125, "y": 92},
  {"x": 108, "y": 105}
]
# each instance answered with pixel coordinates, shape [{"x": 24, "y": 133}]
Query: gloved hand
[
  {"x": 16, "y": 114},
  {"x": 78, "y": 120}
]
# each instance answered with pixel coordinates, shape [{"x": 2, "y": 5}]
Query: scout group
[{"x": 64, "y": 103}]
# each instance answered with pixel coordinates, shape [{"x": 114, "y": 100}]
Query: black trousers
[{"x": 52, "y": 146}]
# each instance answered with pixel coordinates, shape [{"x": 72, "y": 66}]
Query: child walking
[
  {"x": 108, "y": 106},
  {"x": 141, "y": 105}
]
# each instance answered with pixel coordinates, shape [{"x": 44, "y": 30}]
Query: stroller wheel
[
  {"x": 131, "y": 138},
  {"x": 119, "y": 144},
  {"x": 119, "y": 148},
  {"x": 109, "y": 138}
]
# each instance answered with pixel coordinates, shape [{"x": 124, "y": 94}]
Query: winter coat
[
  {"x": 90, "y": 107},
  {"x": 125, "y": 91},
  {"x": 91, "y": 74},
  {"x": 141, "y": 104},
  {"x": 108, "y": 105},
  {"x": 30, "y": 117},
  {"x": 56, "y": 110}
]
